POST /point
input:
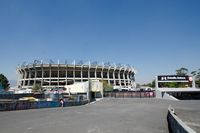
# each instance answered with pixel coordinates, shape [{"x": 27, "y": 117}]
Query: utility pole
[{"x": 193, "y": 82}]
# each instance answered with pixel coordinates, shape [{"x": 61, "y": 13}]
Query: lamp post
[
  {"x": 57, "y": 93},
  {"x": 193, "y": 82},
  {"x": 69, "y": 91}
]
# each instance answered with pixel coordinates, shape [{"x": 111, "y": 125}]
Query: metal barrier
[
  {"x": 17, "y": 96},
  {"x": 21, "y": 105},
  {"x": 136, "y": 94},
  {"x": 175, "y": 124}
]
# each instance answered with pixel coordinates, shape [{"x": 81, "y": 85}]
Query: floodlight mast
[
  {"x": 156, "y": 82},
  {"x": 193, "y": 82}
]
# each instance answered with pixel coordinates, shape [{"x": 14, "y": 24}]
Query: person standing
[{"x": 62, "y": 102}]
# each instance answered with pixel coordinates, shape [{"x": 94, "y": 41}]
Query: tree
[
  {"x": 138, "y": 85},
  {"x": 182, "y": 71},
  {"x": 4, "y": 81},
  {"x": 37, "y": 88},
  {"x": 106, "y": 86},
  {"x": 152, "y": 84},
  {"x": 194, "y": 73},
  {"x": 197, "y": 79}
]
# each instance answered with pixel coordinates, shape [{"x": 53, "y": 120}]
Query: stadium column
[
  {"x": 127, "y": 76},
  {"x": 25, "y": 73},
  {"x": 29, "y": 76},
  {"x": 21, "y": 78},
  {"x": 124, "y": 77},
  {"x": 25, "y": 76},
  {"x": 108, "y": 76},
  {"x": 20, "y": 73},
  {"x": 58, "y": 77},
  {"x": 35, "y": 75},
  {"x": 130, "y": 77},
  {"x": 119, "y": 78},
  {"x": 18, "y": 81},
  {"x": 23, "y": 82},
  {"x": 89, "y": 72},
  {"x": 42, "y": 80},
  {"x": 74, "y": 72},
  {"x": 102, "y": 72},
  {"x": 66, "y": 74},
  {"x": 133, "y": 78},
  {"x": 49, "y": 75},
  {"x": 95, "y": 72},
  {"x": 114, "y": 76},
  {"x": 81, "y": 73},
  {"x": 88, "y": 90}
]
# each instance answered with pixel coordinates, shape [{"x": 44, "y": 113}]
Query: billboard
[{"x": 174, "y": 78}]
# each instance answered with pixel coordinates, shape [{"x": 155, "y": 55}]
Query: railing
[
  {"x": 75, "y": 62},
  {"x": 136, "y": 94}
]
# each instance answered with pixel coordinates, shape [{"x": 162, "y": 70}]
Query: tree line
[{"x": 4, "y": 82}]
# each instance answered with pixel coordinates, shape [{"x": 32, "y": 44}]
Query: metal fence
[{"x": 136, "y": 94}]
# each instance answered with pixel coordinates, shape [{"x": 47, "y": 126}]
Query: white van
[
  {"x": 124, "y": 89},
  {"x": 146, "y": 88}
]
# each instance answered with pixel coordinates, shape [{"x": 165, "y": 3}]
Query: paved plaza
[
  {"x": 190, "y": 116},
  {"x": 106, "y": 116}
]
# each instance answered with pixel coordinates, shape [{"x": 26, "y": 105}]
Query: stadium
[{"x": 50, "y": 74}]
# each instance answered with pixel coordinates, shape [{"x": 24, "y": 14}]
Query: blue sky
[{"x": 155, "y": 36}]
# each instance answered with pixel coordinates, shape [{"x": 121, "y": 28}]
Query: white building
[{"x": 50, "y": 75}]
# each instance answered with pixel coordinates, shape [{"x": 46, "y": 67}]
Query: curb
[
  {"x": 95, "y": 101},
  {"x": 175, "y": 124}
]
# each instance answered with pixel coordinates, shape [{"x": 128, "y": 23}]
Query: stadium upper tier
[{"x": 52, "y": 74}]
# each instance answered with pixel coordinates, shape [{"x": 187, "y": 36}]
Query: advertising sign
[{"x": 174, "y": 78}]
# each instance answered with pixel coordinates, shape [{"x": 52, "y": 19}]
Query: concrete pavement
[{"x": 106, "y": 116}]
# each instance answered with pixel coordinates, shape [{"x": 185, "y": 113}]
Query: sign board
[
  {"x": 164, "y": 90},
  {"x": 174, "y": 78}
]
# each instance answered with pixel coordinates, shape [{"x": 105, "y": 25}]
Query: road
[{"x": 106, "y": 116}]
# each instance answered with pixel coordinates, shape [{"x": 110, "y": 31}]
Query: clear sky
[{"x": 154, "y": 36}]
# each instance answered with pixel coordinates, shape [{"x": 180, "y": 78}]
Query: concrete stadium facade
[{"x": 51, "y": 74}]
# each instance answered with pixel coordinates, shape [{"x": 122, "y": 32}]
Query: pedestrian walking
[{"x": 62, "y": 102}]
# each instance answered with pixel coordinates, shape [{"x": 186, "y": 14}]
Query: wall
[
  {"x": 175, "y": 124},
  {"x": 81, "y": 87},
  {"x": 21, "y": 105},
  {"x": 164, "y": 95}
]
